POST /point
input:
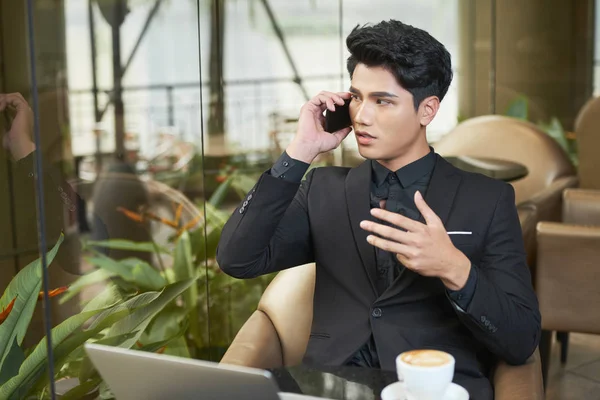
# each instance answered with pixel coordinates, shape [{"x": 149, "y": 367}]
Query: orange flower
[
  {"x": 131, "y": 215},
  {"x": 220, "y": 178},
  {"x": 7, "y": 310},
  {"x": 189, "y": 225},
  {"x": 161, "y": 350},
  {"x": 178, "y": 213},
  {"x": 53, "y": 293}
]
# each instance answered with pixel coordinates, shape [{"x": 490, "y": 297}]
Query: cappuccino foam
[{"x": 426, "y": 358}]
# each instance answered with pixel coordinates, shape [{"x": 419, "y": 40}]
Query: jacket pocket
[{"x": 319, "y": 335}]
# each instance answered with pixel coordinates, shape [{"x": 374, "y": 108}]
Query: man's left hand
[{"x": 423, "y": 248}]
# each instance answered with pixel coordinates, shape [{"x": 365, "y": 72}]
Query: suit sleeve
[
  {"x": 269, "y": 231},
  {"x": 503, "y": 312}
]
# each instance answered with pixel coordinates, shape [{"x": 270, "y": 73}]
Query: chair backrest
[
  {"x": 496, "y": 136},
  {"x": 288, "y": 302},
  {"x": 587, "y": 132}
]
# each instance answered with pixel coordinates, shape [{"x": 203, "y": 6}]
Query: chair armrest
[
  {"x": 581, "y": 207},
  {"x": 515, "y": 382},
  {"x": 549, "y": 201},
  {"x": 567, "y": 277},
  {"x": 256, "y": 344},
  {"x": 528, "y": 219}
]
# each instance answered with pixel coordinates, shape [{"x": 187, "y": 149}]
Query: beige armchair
[
  {"x": 277, "y": 335},
  {"x": 566, "y": 282},
  {"x": 583, "y": 205},
  {"x": 550, "y": 170}
]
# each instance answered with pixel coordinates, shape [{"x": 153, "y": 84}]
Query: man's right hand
[
  {"x": 311, "y": 138},
  {"x": 18, "y": 138}
]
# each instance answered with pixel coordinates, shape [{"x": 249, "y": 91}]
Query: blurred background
[{"x": 161, "y": 115}]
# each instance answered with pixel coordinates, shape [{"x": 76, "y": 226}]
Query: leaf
[
  {"x": 184, "y": 269},
  {"x": 219, "y": 195},
  {"x": 120, "y": 244},
  {"x": 132, "y": 270},
  {"x": 152, "y": 347},
  {"x": 166, "y": 322},
  {"x": 518, "y": 108},
  {"x": 141, "y": 317},
  {"x": 110, "y": 313},
  {"x": 88, "y": 279},
  {"x": 178, "y": 348},
  {"x": 105, "y": 319},
  {"x": 555, "y": 130},
  {"x": 25, "y": 286},
  {"x": 80, "y": 391},
  {"x": 34, "y": 365},
  {"x": 14, "y": 359}
]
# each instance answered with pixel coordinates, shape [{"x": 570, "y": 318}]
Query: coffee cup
[{"x": 426, "y": 373}]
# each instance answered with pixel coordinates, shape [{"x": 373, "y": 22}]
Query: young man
[{"x": 411, "y": 252}]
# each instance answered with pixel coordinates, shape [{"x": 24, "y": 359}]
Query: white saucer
[{"x": 454, "y": 392}]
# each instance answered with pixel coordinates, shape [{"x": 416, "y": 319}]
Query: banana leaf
[
  {"x": 141, "y": 317},
  {"x": 121, "y": 244},
  {"x": 35, "y": 364},
  {"x": 25, "y": 287},
  {"x": 99, "y": 275},
  {"x": 13, "y": 362},
  {"x": 80, "y": 391},
  {"x": 131, "y": 270}
]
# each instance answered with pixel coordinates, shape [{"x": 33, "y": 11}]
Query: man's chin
[{"x": 369, "y": 153}]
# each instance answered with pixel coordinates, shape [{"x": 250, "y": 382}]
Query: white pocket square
[{"x": 459, "y": 233}]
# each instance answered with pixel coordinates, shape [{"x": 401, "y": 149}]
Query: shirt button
[
  {"x": 286, "y": 164},
  {"x": 393, "y": 177},
  {"x": 460, "y": 296},
  {"x": 249, "y": 197},
  {"x": 281, "y": 176},
  {"x": 30, "y": 174},
  {"x": 483, "y": 318},
  {"x": 242, "y": 210},
  {"x": 245, "y": 204},
  {"x": 377, "y": 312}
]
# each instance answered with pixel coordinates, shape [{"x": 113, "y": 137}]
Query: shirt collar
[{"x": 408, "y": 174}]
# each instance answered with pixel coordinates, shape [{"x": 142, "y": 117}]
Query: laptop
[{"x": 133, "y": 375}]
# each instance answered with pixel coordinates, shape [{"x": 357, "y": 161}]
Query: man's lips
[
  {"x": 364, "y": 134},
  {"x": 363, "y": 138}
]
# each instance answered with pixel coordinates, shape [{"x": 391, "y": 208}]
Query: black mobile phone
[{"x": 339, "y": 119}]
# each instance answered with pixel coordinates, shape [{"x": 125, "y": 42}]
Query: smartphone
[{"x": 339, "y": 119}]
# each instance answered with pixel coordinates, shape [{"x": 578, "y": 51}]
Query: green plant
[
  {"x": 180, "y": 326},
  {"x": 110, "y": 317},
  {"x": 519, "y": 108}
]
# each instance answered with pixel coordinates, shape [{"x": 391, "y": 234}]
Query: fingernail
[
  {"x": 364, "y": 224},
  {"x": 369, "y": 238},
  {"x": 419, "y": 194}
]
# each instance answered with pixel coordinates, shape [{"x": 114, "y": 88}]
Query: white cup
[{"x": 426, "y": 373}]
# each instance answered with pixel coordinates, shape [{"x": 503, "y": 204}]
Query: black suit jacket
[{"x": 282, "y": 224}]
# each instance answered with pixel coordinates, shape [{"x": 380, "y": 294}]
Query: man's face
[{"x": 383, "y": 115}]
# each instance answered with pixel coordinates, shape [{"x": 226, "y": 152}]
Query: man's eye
[
  {"x": 354, "y": 97},
  {"x": 381, "y": 101}
]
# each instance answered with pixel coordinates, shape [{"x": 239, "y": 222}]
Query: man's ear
[{"x": 428, "y": 110}]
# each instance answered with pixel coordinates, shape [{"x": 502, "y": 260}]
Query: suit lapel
[
  {"x": 440, "y": 195},
  {"x": 358, "y": 188}
]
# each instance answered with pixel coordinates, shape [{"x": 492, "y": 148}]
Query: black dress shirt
[{"x": 398, "y": 190}]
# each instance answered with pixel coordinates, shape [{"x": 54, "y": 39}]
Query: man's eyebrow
[{"x": 373, "y": 94}]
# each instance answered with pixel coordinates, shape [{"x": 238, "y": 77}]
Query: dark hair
[{"x": 419, "y": 62}]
